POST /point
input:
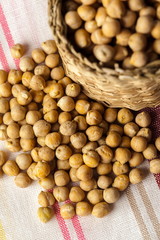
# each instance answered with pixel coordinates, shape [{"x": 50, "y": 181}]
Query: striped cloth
[{"x": 136, "y": 216}]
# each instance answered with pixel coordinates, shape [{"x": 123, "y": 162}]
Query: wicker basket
[{"x": 134, "y": 89}]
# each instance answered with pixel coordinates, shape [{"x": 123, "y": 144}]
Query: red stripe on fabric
[
  {"x": 157, "y": 177},
  {"x": 3, "y": 59},
  {"x": 61, "y": 222},
  {"x": 7, "y": 32},
  {"x": 77, "y": 226}
]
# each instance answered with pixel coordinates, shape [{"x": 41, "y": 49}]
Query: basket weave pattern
[{"x": 134, "y": 89}]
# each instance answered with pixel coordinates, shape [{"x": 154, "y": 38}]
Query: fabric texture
[{"x": 135, "y": 216}]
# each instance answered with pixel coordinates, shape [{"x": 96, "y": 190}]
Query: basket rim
[
  {"x": 114, "y": 87},
  {"x": 60, "y": 38}
]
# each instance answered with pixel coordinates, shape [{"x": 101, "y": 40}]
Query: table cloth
[{"x": 136, "y": 216}]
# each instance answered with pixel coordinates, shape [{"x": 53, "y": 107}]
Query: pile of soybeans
[{"x": 75, "y": 148}]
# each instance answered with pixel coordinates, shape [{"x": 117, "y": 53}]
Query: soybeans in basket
[{"x": 115, "y": 31}]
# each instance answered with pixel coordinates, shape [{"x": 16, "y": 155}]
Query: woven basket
[{"x": 134, "y": 89}]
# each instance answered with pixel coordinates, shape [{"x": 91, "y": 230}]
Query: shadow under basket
[{"x": 134, "y": 89}]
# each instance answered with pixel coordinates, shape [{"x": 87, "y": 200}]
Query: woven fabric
[{"x": 136, "y": 216}]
